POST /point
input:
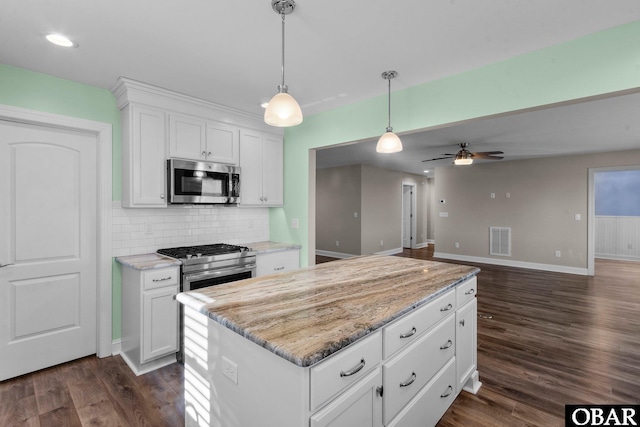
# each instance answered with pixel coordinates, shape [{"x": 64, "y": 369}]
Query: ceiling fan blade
[
  {"x": 437, "y": 158},
  {"x": 487, "y": 155},
  {"x": 489, "y": 152}
]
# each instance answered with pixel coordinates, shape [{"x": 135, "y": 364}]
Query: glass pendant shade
[
  {"x": 463, "y": 161},
  {"x": 283, "y": 111},
  {"x": 389, "y": 142}
]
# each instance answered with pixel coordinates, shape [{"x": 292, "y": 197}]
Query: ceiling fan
[{"x": 465, "y": 157}]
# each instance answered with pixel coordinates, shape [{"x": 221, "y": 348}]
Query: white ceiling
[
  {"x": 609, "y": 124},
  {"x": 229, "y": 53}
]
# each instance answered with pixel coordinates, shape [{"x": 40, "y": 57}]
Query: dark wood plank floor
[{"x": 551, "y": 339}]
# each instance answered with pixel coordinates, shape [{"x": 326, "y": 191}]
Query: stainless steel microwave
[{"x": 195, "y": 182}]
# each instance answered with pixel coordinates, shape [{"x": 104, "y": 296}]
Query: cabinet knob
[
  {"x": 209, "y": 153},
  {"x": 162, "y": 196},
  {"x": 204, "y": 154},
  {"x": 462, "y": 322}
]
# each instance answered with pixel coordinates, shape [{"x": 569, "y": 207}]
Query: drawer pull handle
[
  {"x": 447, "y": 308},
  {"x": 162, "y": 280},
  {"x": 409, "y": 334},
  {"x": 354, "y": 370},
  {"x": 447, "y": 393},
  {"x": 410, "y": 381},
  {"x": 470, "y": 292},
  {"x": 278, "y": 268},
  {"x": 447, "y": 345}
]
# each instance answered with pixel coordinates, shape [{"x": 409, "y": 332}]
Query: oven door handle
[{"x": 217, "y": 273}]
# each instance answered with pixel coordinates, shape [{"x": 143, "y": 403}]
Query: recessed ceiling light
[
  {"x": 60, "y": 40},
  {"x": 426, "y": 171}
]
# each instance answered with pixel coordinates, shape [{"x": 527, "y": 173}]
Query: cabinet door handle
[
  {"x": 447, "y": 345},
  {"x": 161, "y": 280},
  {"x": 447, "y": 308},
  {"x": 448, "y": 392},
  {"x": 354, "y": 370},
  {"x": 410, "y": 333},
  {"x": 410, "y": 381},
  {"x": 470, "y": 292},
  {"x": 462, "y": 322}
]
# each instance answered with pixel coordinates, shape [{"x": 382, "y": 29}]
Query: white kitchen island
[{"x": 367, "y": 341}]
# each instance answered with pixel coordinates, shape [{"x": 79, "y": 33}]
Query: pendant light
[
  {"x": 283, "y": 110},
  {"x": 389, "y": 141}
]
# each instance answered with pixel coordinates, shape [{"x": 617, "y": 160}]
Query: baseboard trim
[
  {"x": 389, "y": 252},
  {"x": 116, "y": 347},
  {"x": 518, "y": 264},
  {"x": 618, "y": 257},
  {"x": 423, "y": 245},
  {"x": 331, "y": 254}
]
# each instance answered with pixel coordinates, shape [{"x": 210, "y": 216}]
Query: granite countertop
[
  {"x": 264, "y": 247},
  {"x": 147, "y": 261},
  {"x": 308, "y": 314}
]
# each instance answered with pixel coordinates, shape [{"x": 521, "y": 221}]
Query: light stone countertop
[
  {"x": 147, "y": 261},
  {"x": 265, "y": 247},
  {"x": 308, "y": 314}
]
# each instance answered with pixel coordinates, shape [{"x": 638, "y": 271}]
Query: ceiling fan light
[
  {"x": 283, "y": 111},
  {"x": 389, "y": 142},
  {"x": 463, "y": 161}
]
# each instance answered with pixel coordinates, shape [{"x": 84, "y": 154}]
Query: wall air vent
[{"x": 500, "y": 241}]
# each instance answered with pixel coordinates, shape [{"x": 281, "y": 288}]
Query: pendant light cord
[
  {"x": 389, "y": 128},
  {"x": 283, "y": 15}
]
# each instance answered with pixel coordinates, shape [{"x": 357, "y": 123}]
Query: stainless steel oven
[{"x": 210, "y": 265}]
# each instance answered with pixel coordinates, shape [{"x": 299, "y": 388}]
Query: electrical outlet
[
  {"x": 578, "y": 217},
  {"x": 381, "y": 242},
  {"x": 355, "y": 214},
  {"x": 457, "y": 245},
  {"x": 295, "y": 223},
  {"x": 508, "y": 195},
  {"x": 558, "y": 254},
  {"x": 230, "y": 370},
  {"x": 493, "y": 195},
  {"x": 148, "y": 228},
  {"x": 337, "y": 242},
  {"x": 630, "y": 246}
]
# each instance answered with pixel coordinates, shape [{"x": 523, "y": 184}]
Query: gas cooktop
[{"x": 207, "y": 253}]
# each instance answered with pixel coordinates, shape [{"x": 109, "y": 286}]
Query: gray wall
[
  {"x": 545, "y": 196},
  {"x": 376, "y": 194},
  {"x": 338, "y": 196}
]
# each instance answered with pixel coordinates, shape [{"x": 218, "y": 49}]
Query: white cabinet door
[
  {"x": 143, "y": 157},
  {"x": 187, "y": 137},
  {"x": 222, "y": 143},
  {"x": 360, "y": 405},
  {"x": 251, "y": 167},
  {"x": 466, "y": 340},
  {"x": 272, "y": 187},
  {"x": 159, "y": 323}
]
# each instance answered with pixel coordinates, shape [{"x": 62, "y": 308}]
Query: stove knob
[
  {"x": 198, "y": 255},
  {"x": 189, "y": 256}
]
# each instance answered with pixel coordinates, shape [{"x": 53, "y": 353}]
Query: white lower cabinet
[
  {"x": 466, "y": 332},
  {"x": 277, "y": 262},
  {"x": 361, "y": 405},
  {"x": 149, "y": 317}
]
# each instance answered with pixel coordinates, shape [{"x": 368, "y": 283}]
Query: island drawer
[
  {"x": 160, "y": 278},
  {"x": 344, "y": 368},
  {"x": 431, "y": 402},
  {"x": 410, "y": 370},
  {"x": 408, "y": 328},
  {"x": 466, "y": 291}
]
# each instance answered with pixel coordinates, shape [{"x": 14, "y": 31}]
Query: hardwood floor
[{"x": 544, "y": 340}]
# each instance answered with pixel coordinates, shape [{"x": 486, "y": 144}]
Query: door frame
[
  {"x": 413, "y": 223},
  {"x": 104, "y": 138},
  {"x": 591, "y": 224}
]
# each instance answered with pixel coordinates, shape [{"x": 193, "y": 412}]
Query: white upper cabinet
[
  {"x": 195, "y": 139},
  {"x": 143, "y": 157},
  {"x": 261, "y": 163}
]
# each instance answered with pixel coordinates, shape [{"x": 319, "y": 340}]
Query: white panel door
[{"x": 48, "y": 224}]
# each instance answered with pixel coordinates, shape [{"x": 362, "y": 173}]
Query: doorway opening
[{"x": 409, "y": 215}]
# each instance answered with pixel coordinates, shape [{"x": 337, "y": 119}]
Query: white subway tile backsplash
[{"x": 139, "y": 231}]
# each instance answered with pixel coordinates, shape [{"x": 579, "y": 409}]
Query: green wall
[
  {"x": 41, "y": 92},
  {"x": 600, "y": 63}
]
